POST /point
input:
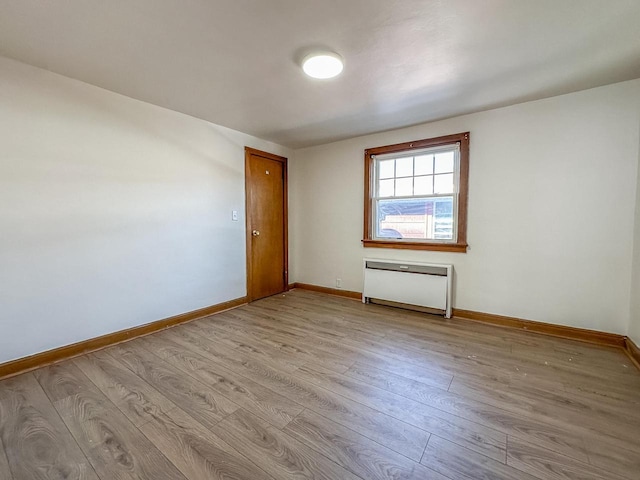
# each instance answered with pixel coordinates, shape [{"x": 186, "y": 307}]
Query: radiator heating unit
[{"x": 409, "y": 284}]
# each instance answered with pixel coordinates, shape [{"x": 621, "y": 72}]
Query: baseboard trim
[
  {"x": 562, "y": 331},
  {"x": 633, "y": 351},
  {"x": 25, "y": 364},
  {"x": 330, "y": 291}
]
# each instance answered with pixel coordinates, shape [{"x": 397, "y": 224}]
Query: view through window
[{"x": 415, "y": 195}]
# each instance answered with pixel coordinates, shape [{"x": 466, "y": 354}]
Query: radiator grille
[{"x": 411, "y": 284}]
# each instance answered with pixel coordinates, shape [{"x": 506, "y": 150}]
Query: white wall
[
  {"x": 634, "y": 317},
  {"x": 113, "y": 212},
  {"x": 551, "y": 209}
]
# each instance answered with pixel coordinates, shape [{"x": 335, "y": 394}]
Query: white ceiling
[{"x": 236, "y": 62}]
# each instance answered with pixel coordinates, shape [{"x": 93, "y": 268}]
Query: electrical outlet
[{"x": 338, "y": 283}]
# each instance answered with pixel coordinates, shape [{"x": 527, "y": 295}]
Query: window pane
[
  {"x": 386, "y": 188},
  {"x": 386, "y": 168},
  {"x": 404, "y": 167},
  {"x": 444, "y": 162},
  {"x": 421, "y": 219},
  {"x": 404, "y": 187},
  {"x": 423, "y": 185},
  {"x": 424, "y": 165},
  {"x": 443, "y": 183},
  {"x": 443, "y": 223}
]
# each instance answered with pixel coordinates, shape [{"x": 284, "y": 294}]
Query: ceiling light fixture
[{"x": 323, "y": 65}]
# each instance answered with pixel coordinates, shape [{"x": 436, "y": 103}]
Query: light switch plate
[{"x": 234, "y": 215}]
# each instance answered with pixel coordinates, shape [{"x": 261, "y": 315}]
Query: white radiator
[{"x": 422, "y": 284}]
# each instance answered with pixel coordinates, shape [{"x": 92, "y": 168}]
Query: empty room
[{"x": 320, "y": 239}]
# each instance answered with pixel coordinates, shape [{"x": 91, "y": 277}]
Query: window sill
[{"x": 436, "y": 247}]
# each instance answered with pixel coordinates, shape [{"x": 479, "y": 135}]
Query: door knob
[{"x": 255, "y": 233}]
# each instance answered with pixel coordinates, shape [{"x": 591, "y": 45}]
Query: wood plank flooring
[{"x": 310, "y": 386}]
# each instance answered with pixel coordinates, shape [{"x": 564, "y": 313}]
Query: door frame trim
[{"x": 248, "y": 151}]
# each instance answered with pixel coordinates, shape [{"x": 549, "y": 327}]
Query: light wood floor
[{"x": 306, "y": 385}]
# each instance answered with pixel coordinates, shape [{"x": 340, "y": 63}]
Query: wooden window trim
[{"x": 460, "y": 245}]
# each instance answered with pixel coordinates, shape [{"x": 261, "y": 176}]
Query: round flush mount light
[{"x": 323, "y": 65}]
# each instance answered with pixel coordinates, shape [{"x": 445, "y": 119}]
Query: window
[{"x": 416, "y": 194}]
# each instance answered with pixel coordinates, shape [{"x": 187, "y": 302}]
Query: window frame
[{"x": 460, "y": 242}]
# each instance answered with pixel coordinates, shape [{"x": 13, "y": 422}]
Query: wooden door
[{"x": 266, "y": 203}]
